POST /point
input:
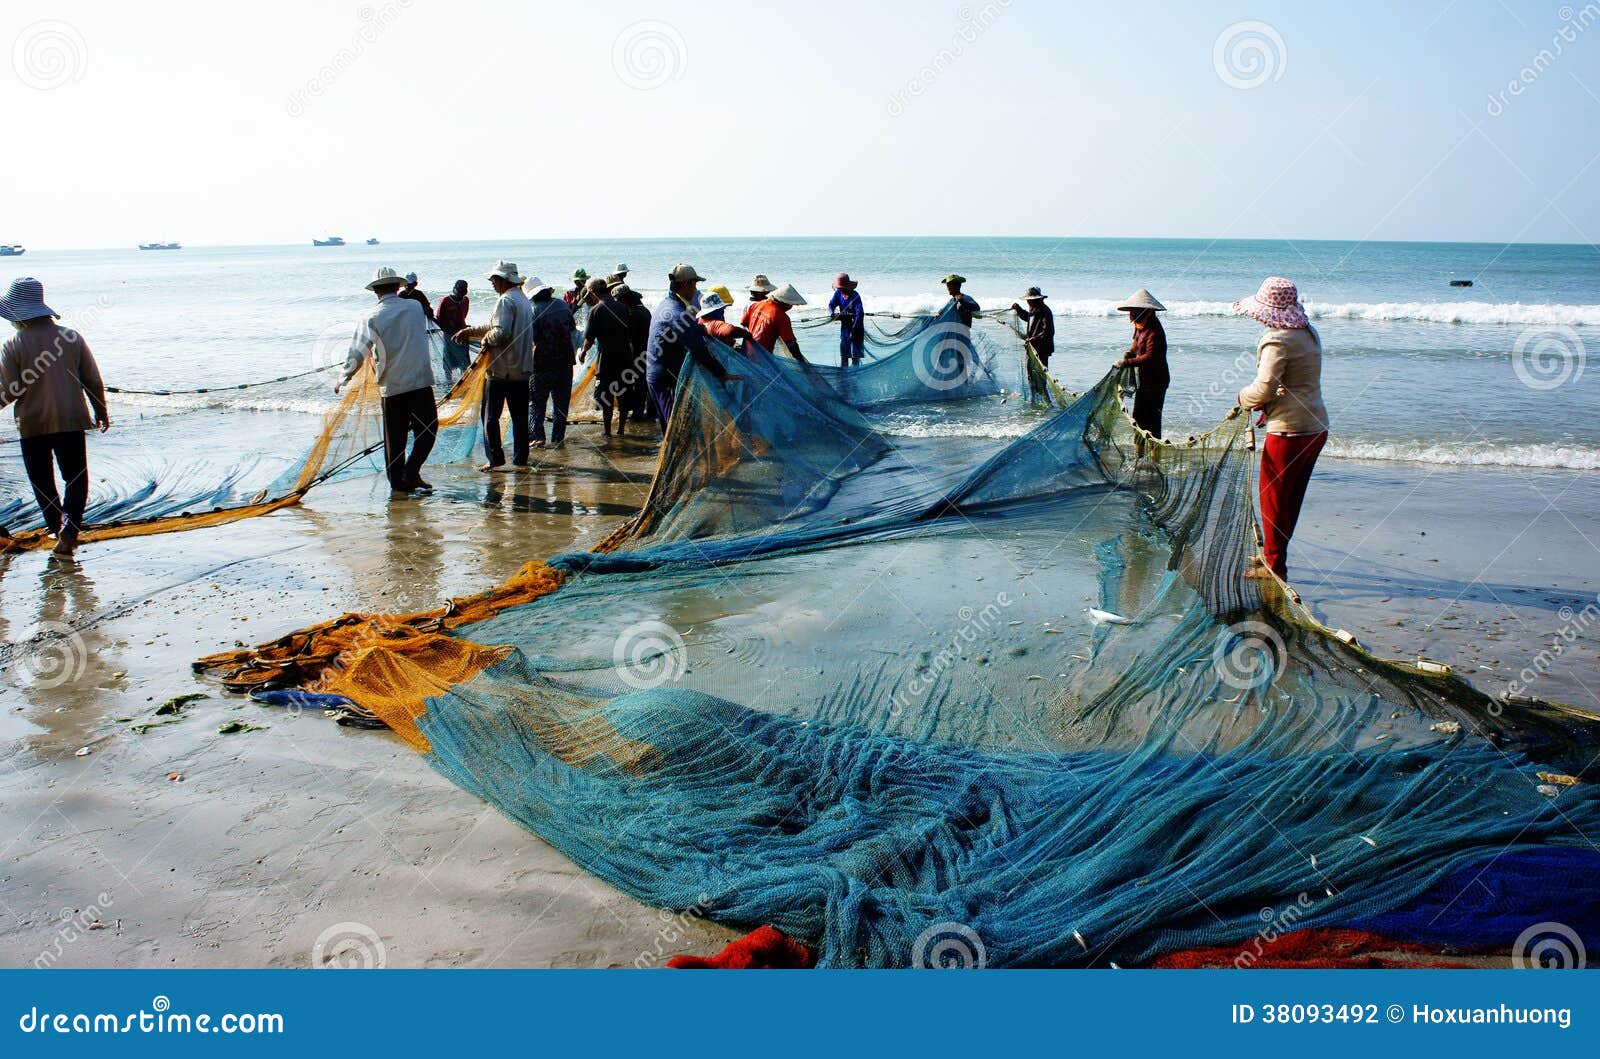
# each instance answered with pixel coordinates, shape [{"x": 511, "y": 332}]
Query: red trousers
[{"x": 1286, "y": 464}]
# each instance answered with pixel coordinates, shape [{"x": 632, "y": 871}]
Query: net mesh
[{"x": 866, "y": 688}]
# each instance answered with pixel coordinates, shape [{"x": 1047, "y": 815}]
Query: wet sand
[{"x": 273, "y": 837}]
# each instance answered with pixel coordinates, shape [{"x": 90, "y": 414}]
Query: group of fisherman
[{"x": 532, "y": 342}]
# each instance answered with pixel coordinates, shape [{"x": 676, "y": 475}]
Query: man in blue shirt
[
  {"x": 676, "y": 335},
  {"x": 553, "y": 354},
  {"x": 845, "y": 306}
]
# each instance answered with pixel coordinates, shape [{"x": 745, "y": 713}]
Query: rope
[{"x": 219, "y": 389}]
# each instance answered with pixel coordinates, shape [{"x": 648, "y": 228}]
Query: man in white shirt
[
  {"x": 394, "y": 334},
  {"x": 508, "y": 343}
]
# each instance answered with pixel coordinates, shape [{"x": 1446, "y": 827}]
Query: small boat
[
  {"x": 372, "y": 242},
  {"x": 8, "y": 250},
  {"x": 160, "y": 246},
  {"x": 1461, "y": 283},
  {"x": 332, "y": 240}
]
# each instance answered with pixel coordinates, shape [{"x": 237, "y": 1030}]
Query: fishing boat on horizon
[
  {"x": 372, "y": 242},
  {"x": 9, "y": 250},
  {"x": 160, "y": 246},
  {"x": 332, "y": 240}
]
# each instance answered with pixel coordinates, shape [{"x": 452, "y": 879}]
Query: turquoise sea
[{"x": 1416, "y": 370}]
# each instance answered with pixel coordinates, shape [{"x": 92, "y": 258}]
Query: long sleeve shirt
[
  {"x": 509, "y": 341},
  {"x": 1149, "y": 355},
  {"x": 1288, "y": 382},
  {"x": 47, "y": 370},
  {"x": 675, "y": 335},
  {"x": 394, "y": 333},
  {"x": 553, "y": 331},
  {"x": 966, "y": 307},
  {"x": 847, "y": 306},
  {"x": 452, "y": 315},
  {"x": 1041, "y": 332},
  {"x": 421, "y": 299}
]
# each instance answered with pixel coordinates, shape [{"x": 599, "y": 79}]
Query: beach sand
[{"x": 273, "y": 837}]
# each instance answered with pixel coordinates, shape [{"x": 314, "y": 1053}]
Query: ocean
[{"x": 1416, "y": 370}]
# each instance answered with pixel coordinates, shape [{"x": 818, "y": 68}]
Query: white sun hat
[
  {"x": 385, "y": 277},
  {"x": 506, "y": 270},
  {"x": 787, "y": 295}
]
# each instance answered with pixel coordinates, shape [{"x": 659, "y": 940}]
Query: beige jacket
[
  {"x": 1288, "y": 383},
  {"x": 47, "y": 370}
]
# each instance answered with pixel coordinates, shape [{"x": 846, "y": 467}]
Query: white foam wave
[
  {"x": 1517, "y": 314},
  {"x": 195, "y": 402},
  {"x": 1469, "y": 454}
]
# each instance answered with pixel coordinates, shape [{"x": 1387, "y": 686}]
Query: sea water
[{"x": 1415, "y": 369}]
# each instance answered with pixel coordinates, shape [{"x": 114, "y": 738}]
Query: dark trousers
[
  {"x": 851, "y": 345},
  {"x": 41, "y": 455},
  {"x": 1147, "y": 402},
  {"x": 510, "y": 395},
  {"x": 554, "y": 391},
  {"x": 406, "y": 414},
  {"x": 1286, "y": 464}
]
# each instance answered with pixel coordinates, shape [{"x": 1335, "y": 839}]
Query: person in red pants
[{"x": 1287, "y": 392}]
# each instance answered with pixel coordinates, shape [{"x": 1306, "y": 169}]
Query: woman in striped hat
[{"x": 47, "y": 370}]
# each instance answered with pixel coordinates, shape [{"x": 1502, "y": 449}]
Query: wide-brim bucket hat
[
  {"x": 954, "y": 278},
  {"x": 506, "y": 270},
  {"x": 1276, "y": 304},
  {"x": 844, "y": 282},
  {"x": 761, "y": 285},
  {"x": 385, "y": 277},
  {"x": 1141, "y": 299},
  {"x": 25, "y": 301},
  {"x": 533, "y": 285},
  {"x": 786, "y": 295},
  {"x": 1034, "y": 294}
]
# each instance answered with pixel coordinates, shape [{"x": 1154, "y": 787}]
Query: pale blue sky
[{"x": 462, "y": 120}]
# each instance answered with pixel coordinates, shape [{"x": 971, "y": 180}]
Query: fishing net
[
  {"x": 891, "y": 694},
  {"x": 137, "y": 500}
]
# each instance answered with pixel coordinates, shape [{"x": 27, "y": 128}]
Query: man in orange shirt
[{"x": 768, "y": 320}]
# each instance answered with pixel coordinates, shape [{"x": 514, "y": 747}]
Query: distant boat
[
  {"x": 332, "y": 240},
  {"x": 1461, "y": 283},
  {"x": 160, "y": 246},
  {"x": 7, "y": 250},
  {"x": 372, "y": 242}
]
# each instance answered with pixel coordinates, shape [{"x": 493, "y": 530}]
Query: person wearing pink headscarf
[{"x": 1287, "y": 392}]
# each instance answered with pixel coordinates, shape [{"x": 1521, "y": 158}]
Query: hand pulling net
[{"x": 867, "y": 688}]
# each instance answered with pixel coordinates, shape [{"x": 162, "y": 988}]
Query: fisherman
[
  {"x": 845, "y": 306},
  {"x": 1287, "y": 391},
  {"x": 412, "y": 291},
  {"x": 452, "y": 317},
  {"x": 634, "y": 397},
  {"x": 674, "y": 337},
  {"x": 760, "y": 287},
  {"x": 965, "y": 306},
  {"x": 769, "y": 321},
  {"x": 618, "y": 276},
  {"x": 1040, "y": 335},
  {"x": 580, "y": 281},
  {"x": 608, "y": 328},
  {"x": 394, "y": 334},
  {"x": 1149, "y": 355},
  {"x": 508, "y": 348},
  {"x": 713, "y": 317},
  {"x": 553, "y": 331},
  {"x": 47, "y": 371}
]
